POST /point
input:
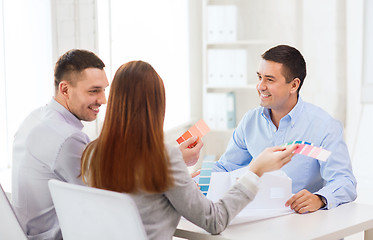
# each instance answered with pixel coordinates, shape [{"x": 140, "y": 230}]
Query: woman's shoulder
[
  {"x": 178, "y": 167},
  {"x": 176, "y": 159},
  {"x": 173, "y": 151}
]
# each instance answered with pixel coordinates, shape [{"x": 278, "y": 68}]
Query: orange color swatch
[{"x": 199, "y": 129}]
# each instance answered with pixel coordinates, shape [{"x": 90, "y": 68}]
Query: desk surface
[{"x": 336, "y": 223}]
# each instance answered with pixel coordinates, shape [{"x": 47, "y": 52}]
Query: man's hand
[
  {"x": 191, "y": 155},
  {"x": 304, "y": 201}
]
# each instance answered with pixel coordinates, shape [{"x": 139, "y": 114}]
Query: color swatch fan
[
  {"x": 205, "y": 175},
  {"x": 308, "y": 149},
  {"x": 199, "y": 129}
]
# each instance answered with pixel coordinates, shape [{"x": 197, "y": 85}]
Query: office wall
[
  {"x": 324, "y": 48},
  {"x": 74, "y": 25},
  {"x": 354, "y": 58},
  {"x": 26, "y": 66}
]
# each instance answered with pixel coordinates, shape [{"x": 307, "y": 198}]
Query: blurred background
[{"x": 206, "y": 52}]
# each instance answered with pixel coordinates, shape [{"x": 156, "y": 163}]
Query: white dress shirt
[{"x": 48, "y": 145}]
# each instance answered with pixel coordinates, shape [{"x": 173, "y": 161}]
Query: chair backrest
[
  {"x": 9, "y": 225},
  {"x": 90, "y": 213}
]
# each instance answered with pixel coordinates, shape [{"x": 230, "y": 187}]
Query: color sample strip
[
  {"x": 308, "y": 149},
  {"x": 205, "y": 175},
  {"x": 199, "y": 129},
  {"x": 299, "y": 148}
]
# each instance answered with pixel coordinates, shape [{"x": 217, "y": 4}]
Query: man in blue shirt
[{"x": 283, "y": 117}]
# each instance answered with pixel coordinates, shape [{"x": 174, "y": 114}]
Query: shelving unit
[{"x": 233, "y": 41}]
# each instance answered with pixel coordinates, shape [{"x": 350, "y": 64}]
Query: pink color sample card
[
  {"x": 308, "y": 149},
  {"x": 199, "y": 129}
]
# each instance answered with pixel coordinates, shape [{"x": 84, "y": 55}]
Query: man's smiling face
[
  {"x": 87, "y": 94},
  {"x": 274, "y": 92}
]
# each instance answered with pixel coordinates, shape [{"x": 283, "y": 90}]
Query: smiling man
[
  {"x": 284, "y": 117},
  {"x": 49, "y": 143}
]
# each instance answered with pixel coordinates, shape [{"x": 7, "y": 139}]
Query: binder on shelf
[
  {"x": 209, "y": 111},
  {"x": 226, "y": 67},
  {"x": 221, "y": 116},
  {"x": 221, "y": 23},
  {"x": 220, "y": 110},
  {"x": 231, "y": 110}
]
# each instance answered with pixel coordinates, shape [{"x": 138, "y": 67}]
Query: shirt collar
[
  {"x": 293, "y": 114},
  {"x": 296, "y": 111},
  {"x": 266, "y": 113},
  {"x": 67, "y": 115}
]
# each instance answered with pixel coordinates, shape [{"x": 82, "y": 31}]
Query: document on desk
[{"x": 274, "y": 191}]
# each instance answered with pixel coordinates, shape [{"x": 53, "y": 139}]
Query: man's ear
[
  {"x": 295, "y": 85},
  {"x": 63, "y": 89}
]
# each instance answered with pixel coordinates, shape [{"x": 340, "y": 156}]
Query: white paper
[
  {"x": 221, "y": 182},
  {"x": 271, "y": 186},
  {"x": 250, "y": 215},
  {"x": 274, "y": 191}
]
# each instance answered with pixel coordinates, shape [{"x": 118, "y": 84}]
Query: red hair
[{"x": 130, "y": 155}]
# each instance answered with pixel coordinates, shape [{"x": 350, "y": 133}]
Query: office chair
[
  {"x": 91, "y": 213},
  {"x": 9, "y": 225}
]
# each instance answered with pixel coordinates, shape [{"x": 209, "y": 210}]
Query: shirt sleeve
[
  {"x": 236, "y": 154},
  {"x": 340, "y": 183},
  {"x": 67, "y": 164},
  {"x": 189, "y": 201}
]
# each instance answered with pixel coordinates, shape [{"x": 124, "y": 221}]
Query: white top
[
  {"x": 160, "y": 213},
  {"x": 48, "y": 145}
]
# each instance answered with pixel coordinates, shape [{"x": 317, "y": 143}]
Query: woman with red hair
[{"x": 130, "y": 156}]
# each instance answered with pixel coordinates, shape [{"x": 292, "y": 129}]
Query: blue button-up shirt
[
  {"x": 332, "y": 179},
  {"x": 48, "y": 145}
]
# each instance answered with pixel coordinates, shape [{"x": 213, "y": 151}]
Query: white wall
[
  {"x": 27, "y": 68},
  {"x": 74, "y": 25},
  {"x": 29, "y": 51},
  {"x": 324, "y": 49},
  {"x": 354, "y": 59},
  {"x": 367, "y": 90},
  {"x": 359, "y": 110}
]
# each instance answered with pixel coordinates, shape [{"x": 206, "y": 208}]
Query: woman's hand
[
  {"x": 271, "y": 159},
  {"x": 191, "y": 152}
]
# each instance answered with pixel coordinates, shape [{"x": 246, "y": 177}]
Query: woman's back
[
  {"x": 161, "y": 212},
  {"x": 158, "y": 215},
  {"x": 130, "y": 156}
]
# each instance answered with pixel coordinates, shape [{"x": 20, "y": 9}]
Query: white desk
[{"x": 336, "y": 223}]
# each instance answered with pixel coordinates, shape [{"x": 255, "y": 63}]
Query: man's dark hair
[
  {"x": 292, "y": 60},
  {"x": 74, "y": 61}
]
